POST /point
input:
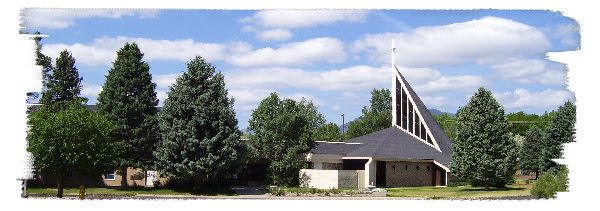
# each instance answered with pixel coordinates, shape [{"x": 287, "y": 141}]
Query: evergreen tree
[
  {"x": 376, "y": 117},
  {"x": 560, "y": 130},
  {"x": 531, "y": 159},
  {"x": 128, "y": 98},
  {"x": 63, "y": 82},
  {"x": 200, "y": 137},
  {"x": 282, "y": 131},
  {"x": 484, "y": 153}
]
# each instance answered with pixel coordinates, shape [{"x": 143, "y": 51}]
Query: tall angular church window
[
  {"x": 404, "y": 109},
  {"x": 417, "y": 125},
  {"x": 423, "y": 132},
  {"x": 398, "y": 102},
  {"x": 410, "y": 117},
  {"x": 429, "y": 139}
]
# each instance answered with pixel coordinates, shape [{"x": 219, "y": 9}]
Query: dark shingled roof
[
  {"x": 339, "y": 148},
  {"x": 395, "y": 143}
]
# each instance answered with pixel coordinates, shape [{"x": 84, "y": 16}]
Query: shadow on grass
[
  {"x": 477, "y": 189},
  {"x": 176, "y": 191}
]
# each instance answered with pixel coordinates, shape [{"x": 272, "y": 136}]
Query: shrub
[
  {"x": 551, "y": 182},
  {"x": 277, "y": 191}
]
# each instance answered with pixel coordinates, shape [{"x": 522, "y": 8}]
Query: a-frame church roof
[{"x": 397, "y": 142}]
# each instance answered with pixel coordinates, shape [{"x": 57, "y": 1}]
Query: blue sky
[{"x": 332, "y": 57}]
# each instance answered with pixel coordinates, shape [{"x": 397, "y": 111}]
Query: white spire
[{"x": 393, "y": 91}]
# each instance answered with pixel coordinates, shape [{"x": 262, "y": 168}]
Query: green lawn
[
  {"x": 520, "y": 188},
  {"x": 134, "y": 191}
]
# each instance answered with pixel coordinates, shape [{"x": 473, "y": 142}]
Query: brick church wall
[{"x": 408, "y": 174}]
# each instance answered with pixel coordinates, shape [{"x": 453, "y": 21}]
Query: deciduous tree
[
  {"x": 282, "y": 131},
  {"x": 375, "y": 117},
  {"x": 448, "y": 123},
  {"x": 327, "y": 132},
  {"x": 70, "y": 139}
]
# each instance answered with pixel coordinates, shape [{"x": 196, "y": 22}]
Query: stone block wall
[{"x": 330, "y": 179}]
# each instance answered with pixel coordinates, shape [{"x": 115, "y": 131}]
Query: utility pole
[{"x": 343, "y": 123}]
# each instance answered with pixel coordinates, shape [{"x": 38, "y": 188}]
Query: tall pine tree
[
  {"x": 560, "y": 130},
  {"x": 484, "y": 153},
  {"x": 531, "y": 159},
  {"x": 128, "y": 98},
  {"x": 63, "y": 82},
  {"x": 200, "y": 137}
]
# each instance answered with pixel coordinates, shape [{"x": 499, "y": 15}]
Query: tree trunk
[
  {"x": 124, "y": 178},
  {"x": 59, "y": 185},
  {"x": 197, "y": 183},
  {"x": 537, "y": 173}
]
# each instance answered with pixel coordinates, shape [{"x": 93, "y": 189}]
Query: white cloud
[
  {"x": 303, "y": 18},
  {"x": 335, "y": 108},
  {"x": 435, "y": 101},
  {"x": 90, "y": 91},
  {"x": 419, "y": 75},
  {"x": 567, "y": 33},
  {"x": 356, "y": 78},
  {"x": 102, "y": 51},
  {"x": 164, "y": 81},
  {"x": 235, "y": 48},
  {"x": 248, "y": 99},
  {"x": 351, "y": 98},
  {"x": 299, "y": 96},
  {"x": 303, "y": 53},
  {"x": 524, "y": 99},
  {"x": 353, "y": 78},
  {"x": 248, "y": 28},
  {"x": 427, "y": 81},
  {"x": 466, "y": 83},
  {"x": 162, "y": 96},
  {"x": 64, "y": 18},
  {"x": 274, "y": 34},
  {"x": 531, "y": 71},
  {"x": 483, "y": 41}
]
